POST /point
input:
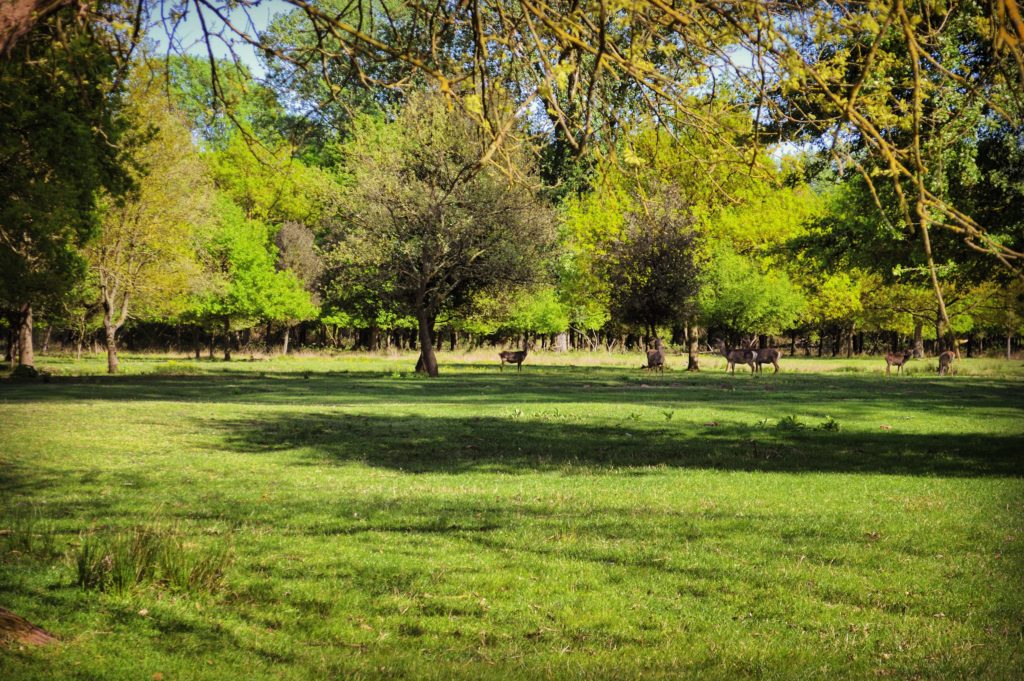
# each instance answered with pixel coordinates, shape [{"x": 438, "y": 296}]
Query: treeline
[{"x": 190, "y": 209}]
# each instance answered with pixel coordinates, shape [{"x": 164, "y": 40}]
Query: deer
[
  {"x": 946, "y": 362},
  {"x": 767, "y": 356},
  {"x": 897, "y": 361},
  {"x": 655, "y": 358},
  {"x": 513, "y": 357},
  {"x": 742, "y": 356}
]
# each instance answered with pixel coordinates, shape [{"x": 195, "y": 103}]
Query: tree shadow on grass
[
  {"x": 542, "y": 385},
  {"x": 514, "y": 445}
]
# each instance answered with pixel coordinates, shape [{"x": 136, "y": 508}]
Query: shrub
[
  {"x": 790, "y": 423},
  {"x": 829, "y": 424}
]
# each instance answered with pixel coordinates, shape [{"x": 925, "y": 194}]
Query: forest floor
[{"x": 305, "y": 517}]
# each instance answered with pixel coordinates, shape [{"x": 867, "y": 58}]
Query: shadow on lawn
[
  {"x": 452, "y": 445},
  {"x": 541, "y": 385}
]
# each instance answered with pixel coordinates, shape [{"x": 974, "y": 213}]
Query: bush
[{"x": 790, "y": 423}]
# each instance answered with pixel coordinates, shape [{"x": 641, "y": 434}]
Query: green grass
[{"x": 352, "y": 520}]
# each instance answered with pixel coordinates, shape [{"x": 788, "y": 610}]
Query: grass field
[{"x": 342, "y": 518}]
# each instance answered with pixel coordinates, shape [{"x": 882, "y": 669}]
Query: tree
[
  {"x": 738, "y": 299},
  {"x": 145, "y": 255},
  {"x": 249, "y": 286},
  {"x": 60, "y": 144},
  {"x": 430, "y": 223},
  {"x": 652, "y": 268},
  {"x": 297, "y": 253}
]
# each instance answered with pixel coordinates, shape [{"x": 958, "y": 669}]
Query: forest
[{"x": 833, "y": 178}]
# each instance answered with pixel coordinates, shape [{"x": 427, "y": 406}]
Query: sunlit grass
[{"x": 580, "y": 519}]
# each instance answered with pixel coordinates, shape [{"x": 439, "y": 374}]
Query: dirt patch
[{"x": 18, "y": 630}]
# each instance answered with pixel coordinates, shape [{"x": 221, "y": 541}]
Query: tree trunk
[
  {"x": 26, "y": 354},
  {"x": 428, "y": 361},
  {"x": 12, "y": 341},
  {"x": 111, "y": 342},
  {"x": 196, "y": 344},
  {"x": 918, "y": 339},
  {"x": 227, "y": 339},
  {"x": 1009, "y": 338},
  {"x": 46, "y": 339},
  {"x": 692, "y": 349},
  {"x": 455, "y": 340},
  {"x": 287, "y": 334}
]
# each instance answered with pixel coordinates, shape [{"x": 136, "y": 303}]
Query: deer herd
[{"x": 747, "y": 354}]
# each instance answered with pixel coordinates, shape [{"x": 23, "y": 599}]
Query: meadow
[{"x": 342, "y": 517}]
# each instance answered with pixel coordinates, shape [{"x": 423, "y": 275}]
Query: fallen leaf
[{"x": 883, "y": 427}]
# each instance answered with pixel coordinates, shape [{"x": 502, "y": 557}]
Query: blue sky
[{"x": 188, "y": 36}]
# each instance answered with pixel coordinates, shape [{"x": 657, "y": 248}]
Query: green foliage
[
  {"x": 249, "y": 286},
  {"x": 739, "y": 299},
  {"x": 791, "y": 423},
  {"x": 539, "y": 311},
  {"x": 61, "y": 138}
]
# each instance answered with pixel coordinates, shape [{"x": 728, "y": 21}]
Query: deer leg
[{"x": 775, "y": 363}]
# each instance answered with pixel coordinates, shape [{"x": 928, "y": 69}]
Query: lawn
[{"x": 342, "y": 518}]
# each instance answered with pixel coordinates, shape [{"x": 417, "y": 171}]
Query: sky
[{"x": 188, "y": 35}]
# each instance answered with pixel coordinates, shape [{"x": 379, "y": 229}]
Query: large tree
[
  {"x": 430, "y": 223},
  {"x": 652, "y": 267},
  {"x": 145, "y": 257},
  {"x": 60, "y": 133}
]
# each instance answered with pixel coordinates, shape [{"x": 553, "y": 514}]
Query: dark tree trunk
[
  {"x": 197, "y": 346},
  {"x": 428, "y": 360},
  {"x": 287, "y": 334},
  {"x": 26, "y": 353},
  {"x": 227, "y": 339},
  {"x": 455, "y": 340}
]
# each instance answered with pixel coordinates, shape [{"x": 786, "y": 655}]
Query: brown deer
[
  {"x": 897, "y": 361},
  {"x": 732, "y": 357},
  {"x": 946, "y": 362},
  {"x": 513, "y": 357},
  {"x": 767, "y": 356},
  {"x": 655, "y": 358}
]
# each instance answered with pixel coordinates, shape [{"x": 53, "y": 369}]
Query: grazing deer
[
  {"x": 732, "y": 357},
  {"x": 897, "y": 361},
  {"x": 513, "y": 357},
  {"x": 946, "y": 362},
  {"x": 655, "y": 357}
]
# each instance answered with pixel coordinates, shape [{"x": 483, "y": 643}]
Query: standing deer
[
  {"x": 732, "y": 357},
  {"x": 655, "y": 357},
  {"x": 513, "y": 357},
  {"x": 946, "y": 362},
  {"x": 767, "y": 356},
  {"x": 897, "y": 361}
]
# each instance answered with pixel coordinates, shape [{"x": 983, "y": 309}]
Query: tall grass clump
[
  {"x": 122, "y": 561},
  {"x": 25, "y": 530}
]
